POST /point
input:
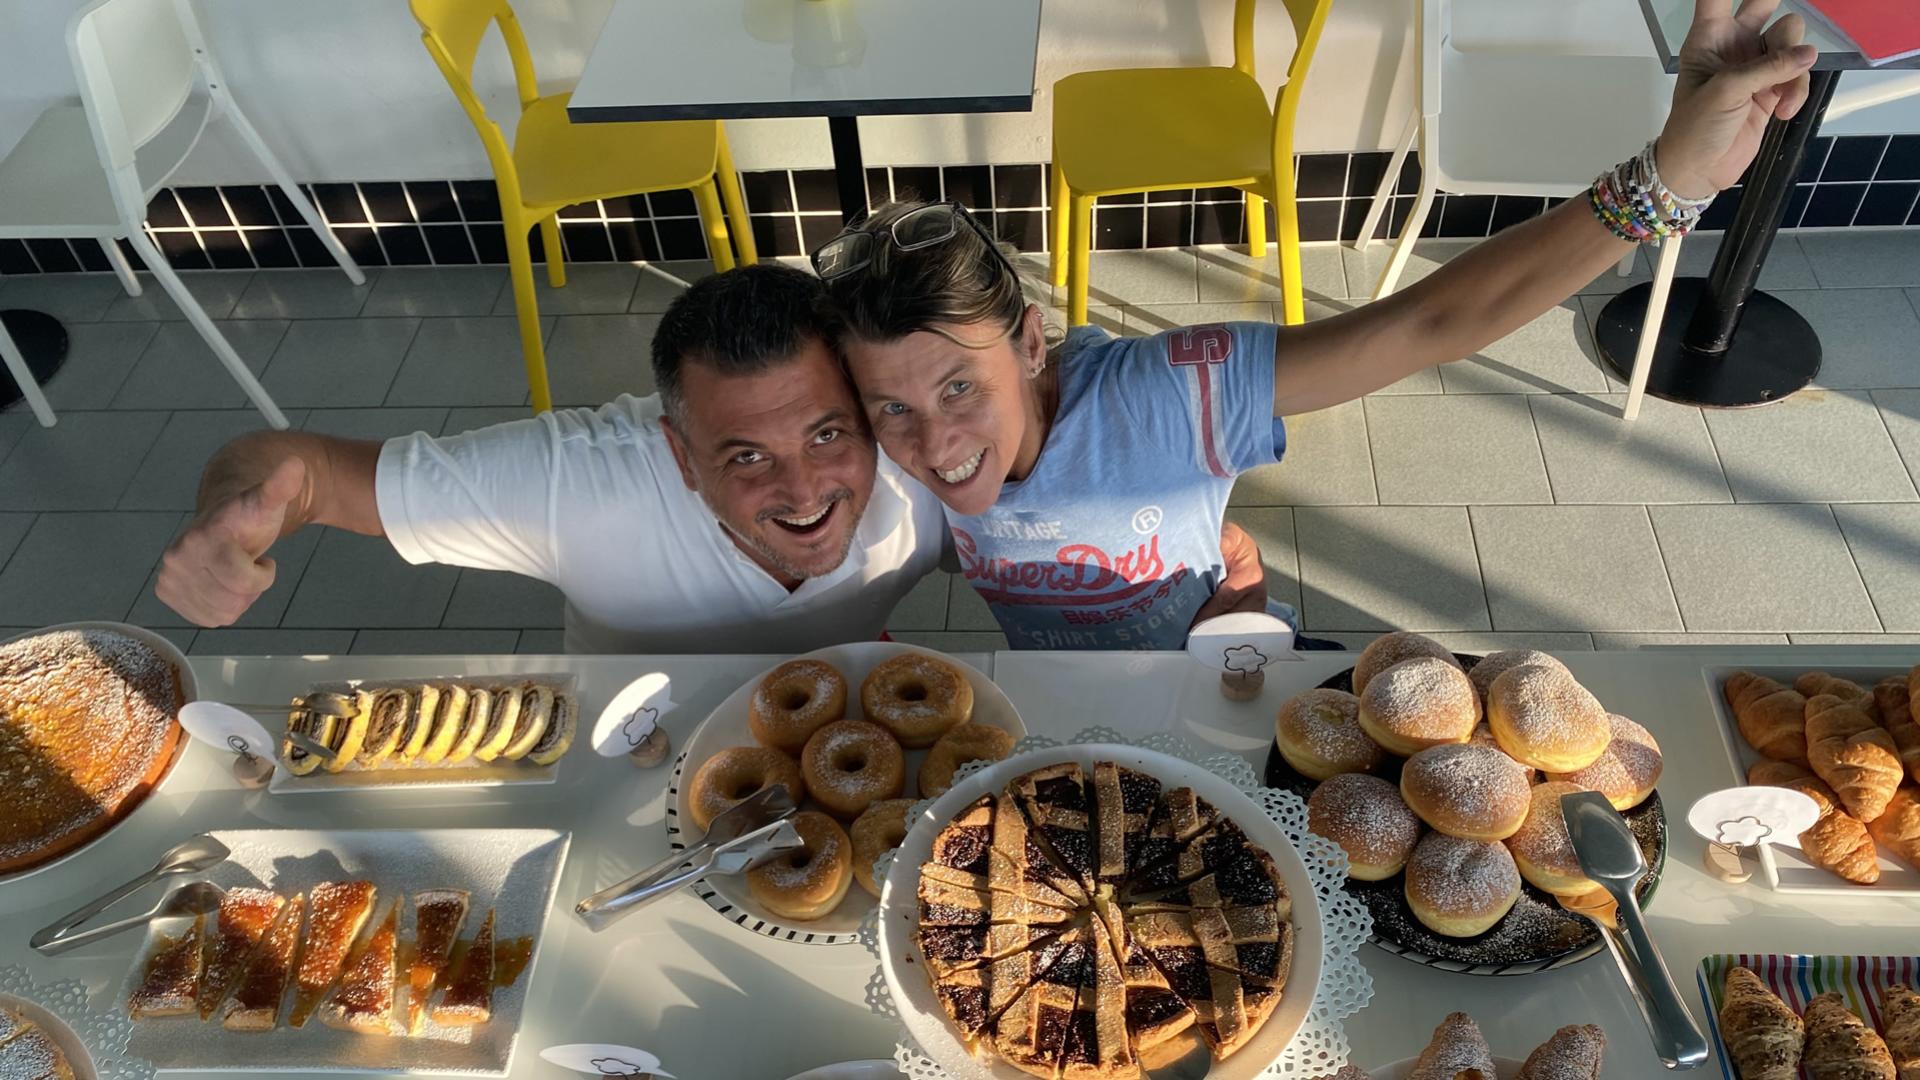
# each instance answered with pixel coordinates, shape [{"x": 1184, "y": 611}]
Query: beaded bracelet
[{"x": 1634, "y": 205}]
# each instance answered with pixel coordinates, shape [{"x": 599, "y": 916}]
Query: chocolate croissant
[
  {"x": 1772, "y": 717},
  {"x": 1854, "y": 755},
  {"x": 1840, "y": 1046},
  {"x": 1900, "y": 1012},
  {"x": 1762, "y": 1034}
]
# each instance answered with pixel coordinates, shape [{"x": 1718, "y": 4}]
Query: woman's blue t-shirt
[{"x": 1113, "y": 541}]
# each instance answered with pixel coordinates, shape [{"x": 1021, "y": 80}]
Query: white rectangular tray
[
  {"x": 470, "y": 773},
  {"x": 512, "y": 871},
  {"x": 1785, "y": 868}
]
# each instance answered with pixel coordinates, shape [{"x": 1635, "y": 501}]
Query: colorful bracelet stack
[{"x": 1635, "y": 206}]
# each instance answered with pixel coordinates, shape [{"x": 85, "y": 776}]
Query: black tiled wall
[{"x": 1855, "y": 180}]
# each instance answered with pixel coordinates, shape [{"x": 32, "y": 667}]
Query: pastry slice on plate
[
  {"x": 469, "y": 997},
  {"x": 448, "y": 723},
  {"x": 172, "y": 975},
  {"x": 256, "y": 1001},
  {"x": 503, "y": 723},
  {"x": 554, "y": 742},
  {"x": 246, "y": 914},
  {"x": 437, "y": 918},
  {"x": 318, "y": 728},
  {"x": 339, "y": 910},
  {"x": 536, "y": 712},
  {"x": 1055, "y": 802},
  {"x": 1019, "y": 857},
  {"x": 942, "y": 885},
  {"x": 1179, "y": 819},
  {"x": 955, "y": 948},
  {"x": 1097, "y": 1046},
  {"x": 1031, "y": 1032},
  {"x": 363, "y": 1001},
  {"x": 29, "y": 1053},
  {"x": 1155, "y": 1014},
  {"x": 389, "y": 718},
  {"x": 1123, "y": 803},
  {"x": 479, "y": 715},
  {"x": 417, "y": 726},
  {"x": 967, "y": 840}
]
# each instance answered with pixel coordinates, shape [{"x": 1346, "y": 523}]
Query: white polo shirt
[{"x": 592, "y": 501}]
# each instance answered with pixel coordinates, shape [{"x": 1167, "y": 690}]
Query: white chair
[{"x": 148, "y": 89}]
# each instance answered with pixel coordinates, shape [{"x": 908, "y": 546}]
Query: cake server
[
  {"x": 186, "y": 898},
  {"x": 1610, "y": 855},
  {"x": 190, "y": 856}
]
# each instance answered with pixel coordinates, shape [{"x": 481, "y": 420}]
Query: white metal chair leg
[
  {"x": 1409, "y": 233},
  {"x": 1625, "y": 269},
  {"x": 23, "y": 377},
  {"x": 120, "y": 265},
  {"x": 1383, "y": 195},
  {"x": 1650, "y": 327},
  {"x": 294, "y": 195},
  {"x": 215, "y": 340}
]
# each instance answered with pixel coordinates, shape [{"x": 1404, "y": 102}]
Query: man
[{"x": 743, "y": 509}]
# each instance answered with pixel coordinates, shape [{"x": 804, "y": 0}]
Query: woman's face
[{"x": 960, "y": 418}]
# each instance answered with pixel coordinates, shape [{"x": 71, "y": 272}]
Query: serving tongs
[
  {"x": 738, "y": 839},
  {"x": 190, "y": 856},
  {"x": 1610, "y": 855}
]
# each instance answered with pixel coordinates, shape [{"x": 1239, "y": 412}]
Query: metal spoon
[
  {"x": 190, "y": 856},
  {"x": 1610, "y": 855},
  {"x": 189, "y": 898}
]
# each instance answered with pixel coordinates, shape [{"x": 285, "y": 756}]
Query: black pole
[
  {"x": 848, "y": 169},
  {"x": 1763, "y": 202}
]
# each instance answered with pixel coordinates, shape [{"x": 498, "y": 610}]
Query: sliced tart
[
  {"x": 469, "y": 997},
  {"x": 339, "y": 910},
  {"x": 172, "y": 975},
  {"x": 363, "y": 1001},
  {"x": 1020, "y": 860},
  {"x": 1097, "y": 1046},
  {"x": 256, "y": 1001},
  {"x": 1031, "y": 1031},
  {"x": 1123, "y": 802},
  {"x": 437, "y": 918},
  {"x": 1055, "y": 801},
  {"x": 246, "y": 914}
]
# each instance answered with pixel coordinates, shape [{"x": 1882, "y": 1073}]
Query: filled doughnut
[
  {"x": 1389, "y": 649},
  {"x": 1419, "y": 703},
  {"x": 731, "y": 775},
  {"x": 1543, "y": 717},
  {"x": 1493, "y": 665},
  {"x": 810, "y": 881},
  {"x": 1626, "y": 771},
  {"x": 1460, "y": 888},
  {"x": 917, "y": 697},
  {"x": 851, "y": 764},
  {"x": 1319, "y": 734},
  {"x": 1366, "y": 816},
  {"x": 1473, "y": 792},
  {"x": 968, "y": 742},
  {"x": 1542, "y": 849},
  {"x": 876, "y": 832},
  {"x": 795, "y": 700}
]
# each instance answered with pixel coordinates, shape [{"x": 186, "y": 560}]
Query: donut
[
  {"x": 795, "y": 700},
  {"x": 1626, "y": 771},
  {"x": 876, "y": 832},
  {"x": 1319, "y": 734},
  {"x": 1472, "y": 792},
  {"x": 1543, "y": 717},
  {"x": 1543, "y": 851},
  {"x": 1483, "y": 736},
  {"x": 851, "y": 764},
  {"x": 811, "y": 880},
  {"x": 968, "y": 742},
  {"x": 1366, "y": 816},
  {"x": 1493, "y": 665},
  {"x": 731, "y": 775},
  {"x": 917, "y": 697},
  {"x": 1389, "y": 649},
  {"x": 1460, "y": 888},
  {"x": 1419, "y": 703}
]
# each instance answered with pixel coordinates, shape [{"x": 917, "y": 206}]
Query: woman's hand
[{"x": 1736, "y": 73}]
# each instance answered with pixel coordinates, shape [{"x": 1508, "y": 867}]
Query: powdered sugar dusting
[
  {"x": 1388, "y": 650},
  {"x": 1497, "y": 664},
  {"x": 1457, "y": 1046},
  {"x": 1467, "y": 785},
  {"x": 1327, "y": 723},
  {"x": 1366, "y": 816},
  {"x": 1424, "y": 698},
  {"x": 1462, "y": 877},
  {"x": 1543, "y": 839},
  {"x": 1573, "y": 1053},
  {"x": 845, "y": 742},
  {"x": 1547, "y": 708},
  {"x": 825, "y": 855},
  {"x": 1631, "y": 763}
]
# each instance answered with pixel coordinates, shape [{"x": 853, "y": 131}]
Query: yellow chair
[
  {"x": 554, "y": 163},
  {"x": 1156, "y": 129}
]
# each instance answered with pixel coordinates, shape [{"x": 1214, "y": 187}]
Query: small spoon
[
  {"x": 190, "y": 856},
  {"x": 191, "y": 898}
]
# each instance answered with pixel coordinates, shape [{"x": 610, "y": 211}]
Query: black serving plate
[{"x": 1537, "y": 935}]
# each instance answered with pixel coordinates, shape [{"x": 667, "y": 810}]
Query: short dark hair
[{"x": 740, "y": 322}]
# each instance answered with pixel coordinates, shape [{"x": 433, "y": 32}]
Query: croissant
[
  {"x": 1573, "y": 1053},
  {"x": 1837, "y": 841},
  {"x": 1457, "y": 1052},
  {"x": 1772, "y": 717},
  {"x": 1761, "y": 1032},
  {"x": 1898, "y": 830},
  {"x": 1840, "y": 1046},
  {"x": 1852, "y": 754},
  {"x": 1895, "y": 696},
  {"x": 1900, "y": 1011},
  {"x": 1776, "y": 773},
  {"x": 1815, "y": 683}
]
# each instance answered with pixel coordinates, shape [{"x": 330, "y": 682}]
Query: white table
[
  {"x": 841, "y": 59},
  {"x": 714, "y": 1000}
]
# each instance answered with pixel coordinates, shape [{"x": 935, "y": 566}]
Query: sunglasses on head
[{"x": 859, "y": 247}]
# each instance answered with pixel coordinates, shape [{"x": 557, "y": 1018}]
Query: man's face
[{"x": 783, "y": 458}]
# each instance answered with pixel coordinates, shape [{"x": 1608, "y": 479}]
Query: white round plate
[
  {"x": 1508, "y": 1068},
  {"x": 189, "y": 690},
  {"x": 873, "y": 1069},
  {"x": 79, "y": 1058},
  {"x": 727, "y": 726},
  {"x": 920, "y": 1009}
]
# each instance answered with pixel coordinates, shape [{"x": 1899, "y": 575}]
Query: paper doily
[
  {"x": 103, "y": 1031},
  {"x": 1320, "y": 1047}
]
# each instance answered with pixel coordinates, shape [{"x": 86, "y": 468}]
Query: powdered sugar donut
[
  {"x": 811, "y": 881},
  {"x": 851, "y": 764},
  {"x": 1419, "y": 703},
  {"x": 795, "y": 700},
  {"x": 1366, "y": 816},
  {"x": 1543, "y": 717},
  {"x": 917, "y": 697},
  {"x": 1319, "y": 734}
]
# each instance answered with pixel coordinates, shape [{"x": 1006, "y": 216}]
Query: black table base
[
  {"x": 1723, "y": 344},
  {"x": 1777, "y": 352},
  {"x": 42, "y": 341}
]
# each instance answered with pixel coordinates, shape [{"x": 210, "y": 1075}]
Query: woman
[{"x": 1086, "y": 484}]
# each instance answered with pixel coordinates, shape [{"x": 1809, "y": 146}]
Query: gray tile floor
[{"x": 1499, "y": 500}]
